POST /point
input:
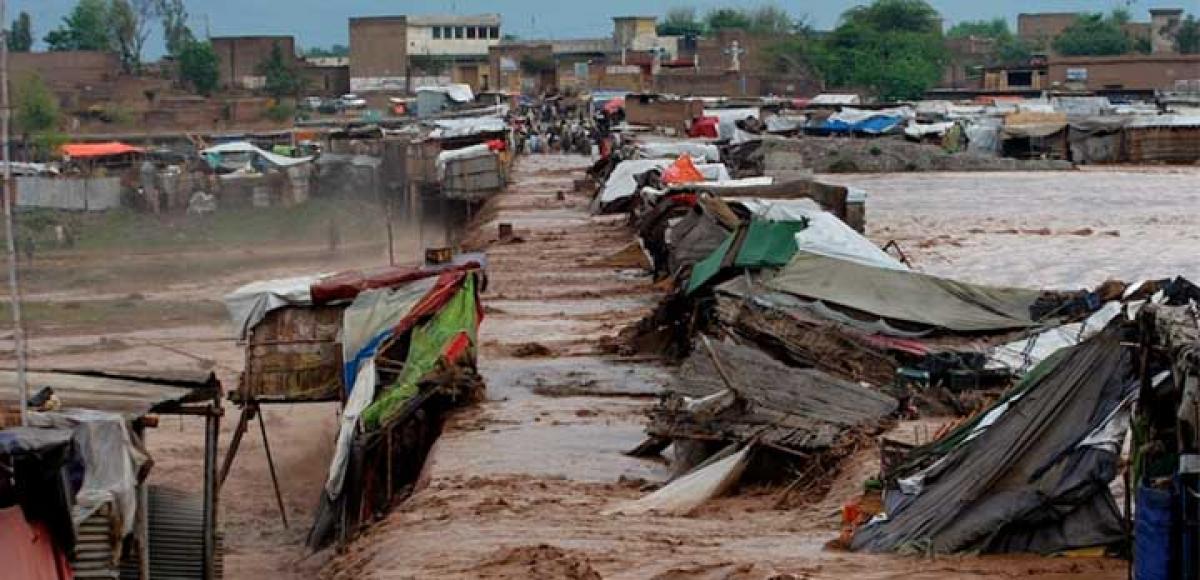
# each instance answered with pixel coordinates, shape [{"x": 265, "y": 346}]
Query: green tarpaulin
[
  {"x": 705, "y": 269},
  {"x": 768, "y": 244},
  {"x": 906, "y": 295},
  {"x": 426, "y": 346}
]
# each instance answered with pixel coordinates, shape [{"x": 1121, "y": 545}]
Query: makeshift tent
[
  {"x": 1029, "y": 475},
  {"x": 89, "y": 150},
  {"x": 906, "y": 295},
  {"x": 673, "y": 149},
  {"x": 622, "y": 182},
  {"x": 459, "y": 92},
  {"x": 1096, "y": 139},
  {"x": 217, "y": 154},
  {"x": 467, "y": 127}
]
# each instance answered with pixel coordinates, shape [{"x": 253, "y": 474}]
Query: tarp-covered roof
[
  {"x": 85, "y": 150},
  {"x": 906, "y": 295},
  {"x": 450, "y": 128},
  {"x": 245, "y": 147},
  {"x": 459, "y": 93},
  {"x": 1029, "y": 475}
]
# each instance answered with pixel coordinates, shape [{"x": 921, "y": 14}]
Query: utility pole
[{"x": 14, "y": 287}]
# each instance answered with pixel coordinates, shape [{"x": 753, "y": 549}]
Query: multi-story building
[
  {"x": 1040, "y": 29},
  {"x": 399, "y": 53}
]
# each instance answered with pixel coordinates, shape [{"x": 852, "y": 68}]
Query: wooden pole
[
  {"x": 262, "y": 425},
  {"x": 14, "y": 285}
]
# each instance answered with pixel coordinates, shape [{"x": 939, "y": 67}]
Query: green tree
[
  {"x": 198, "y": 66},
  {"x": 1008, "y": 48},
  {"x": 1094, "y": 35},
  {"x": 994, "y": 28},
  {"x": 127, "y": 21},
  {"x": 85, "y": 28},
  {"x": 281, "y": 79},
  {"x": 726, "y": 18},
  {"x": 1187, "y": 36},
  {"x": 20, "y": 38},
  {"x": 771, "y": 19},
  {"x": 892, "y": 47},
  {"x": 175, "y": 29},
  {"x": 36, "y": 115},
  {"x": 681, "y": 21}
]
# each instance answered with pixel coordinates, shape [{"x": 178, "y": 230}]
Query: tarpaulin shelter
[
  {"x": 415, "y": 351},
  {"x": 899, "y": 294},
  {"x": 1031, "y": 134},
  {"x": 622, "y": 182},
  {"x": 1031, "y": 474},
  {"x": 1097, "y": 139},
  {"x": 237, "y": 154}
]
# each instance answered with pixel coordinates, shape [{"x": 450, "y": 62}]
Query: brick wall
[{"x": 239, "y": 57}]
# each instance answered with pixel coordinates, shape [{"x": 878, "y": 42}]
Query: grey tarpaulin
[
  {"x": 1029, "y": 478},
  {"x": 906, "y": 295}
]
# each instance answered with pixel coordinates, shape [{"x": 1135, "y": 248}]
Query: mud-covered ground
[
  {"x": 517, "y": 484},
  {"x": 517, "y": 487}
]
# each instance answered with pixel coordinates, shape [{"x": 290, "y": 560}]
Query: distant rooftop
[{"x": 454, "y": 19}]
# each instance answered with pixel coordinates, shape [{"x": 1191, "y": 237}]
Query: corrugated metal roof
[
  {"x": 454, "y": 20},
  {"x": 1153, "y": 121},
  {"x": 129, "y": 393}
]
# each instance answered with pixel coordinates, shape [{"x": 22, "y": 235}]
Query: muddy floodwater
[
  {"x": 1062, "y": 229},
  {"x": 516, "y": 486}
]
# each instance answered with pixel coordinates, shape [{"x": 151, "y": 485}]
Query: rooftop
[{"x": 454, "y": 19}]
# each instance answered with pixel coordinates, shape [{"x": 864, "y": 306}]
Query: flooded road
[{"x": 516, "y": 486}]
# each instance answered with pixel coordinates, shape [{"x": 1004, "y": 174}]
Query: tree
[
  {"x": 994, "y": 28},
  {"x": 1008, "y": 48},
  {"x": 893, "y": 47},
  {"x": 771, "y": 19},
  {"x": 681, "y": 21},
  {"x": 128, "y": 21},
  {"x": 20, "y": 39},
  {"x": 1094, "y": 35},
  {"x": 1187, "y": 36},
  {"x": 726, "y": 18},
  {"x": 198, "y": 66},
  {"x": 85, "y": 28},
  {"x": 175, "y": 29},
  {"x": 36, "y": 114},
  {"x": 281, "y": 79}
]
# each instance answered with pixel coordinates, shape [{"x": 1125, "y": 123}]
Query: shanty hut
[
  {"x": 1163, "y": 139},
  {"x": 79, "y": 471}
]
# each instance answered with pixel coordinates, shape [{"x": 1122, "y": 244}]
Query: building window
[
  {"x": 437, "y": 32},
  {"x": 447, "y": 32},
  {"x": 471, "y": 32},
  {"x": 494, "y": 32},
  {"x": 458, "y": 32}
]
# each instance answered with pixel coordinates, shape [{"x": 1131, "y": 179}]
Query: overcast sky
[{"x": 323, "y": 22}]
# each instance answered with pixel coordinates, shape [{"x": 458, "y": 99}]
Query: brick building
[
  {"x": 1130, "y": 72},
  {"x": 399, "y": 53},
  {"x": 1040, "y": 29},
  {"x": 240, "y": 58}
]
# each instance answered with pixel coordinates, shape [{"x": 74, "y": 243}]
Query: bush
[
  {"x": 875, "y": 150},
  {"x": 281, "y": 112}
]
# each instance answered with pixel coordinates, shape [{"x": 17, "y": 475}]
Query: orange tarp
[{"x": 99, "y": 149}]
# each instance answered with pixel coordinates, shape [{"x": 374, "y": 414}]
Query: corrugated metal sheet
[
  {"x": 176, "y": 538},
  {"x": 473, "y": 179},
  {"x": 81, "y": 194}
]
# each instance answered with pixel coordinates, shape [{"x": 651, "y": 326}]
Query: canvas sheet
[{"x": 905, "y": 295}]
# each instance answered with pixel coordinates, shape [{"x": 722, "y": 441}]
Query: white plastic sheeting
[
  {"x": 471, "y": 152},
  {"x": 249, "y": 304},
  {"x": 835, "y": 99},
  {"x": 376, "y": 311},
  {"x": 826, "y": 235},
  {"x": 1152, "y": 121},
  {"x": 245, "y": 147},
  {"x": 673, "y": 149},
  {"x": 111, "y": 461},
  {"x": 918, "y": 130},
  {"x": 984, "y": 137},
  {"x": 851, "y": 115},
  {"x": 459, "y": 93},
  {"x": 360, "y": 398},
  {"x": 684, "y": 495},
  {"x": 450, "y": 128},
  {"x": 727, "y": 119},
  {"x": 1022, "y": 355},
  {"x": 622, "y": 181}
]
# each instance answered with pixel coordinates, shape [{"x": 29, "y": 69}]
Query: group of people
[{"x": 553, "y": 125}]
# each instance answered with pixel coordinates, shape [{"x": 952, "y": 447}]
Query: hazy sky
[{"x": 323, "y": 22}]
